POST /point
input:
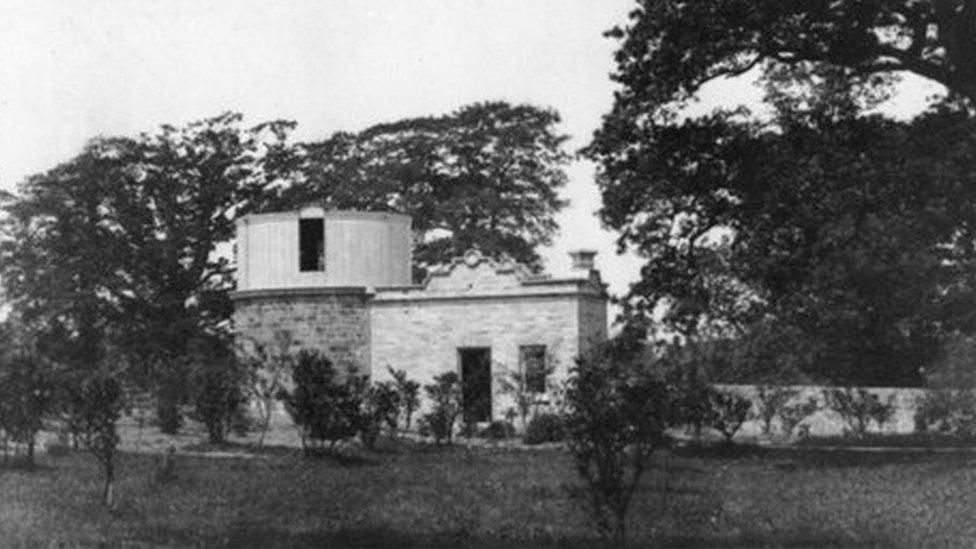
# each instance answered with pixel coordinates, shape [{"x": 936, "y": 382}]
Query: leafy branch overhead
[{"x": 669, "y": 49}]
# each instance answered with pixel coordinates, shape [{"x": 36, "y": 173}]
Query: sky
[{"x": 74, "y": 69}]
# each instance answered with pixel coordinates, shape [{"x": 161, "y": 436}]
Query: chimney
[{"x": 583, "y": 260}]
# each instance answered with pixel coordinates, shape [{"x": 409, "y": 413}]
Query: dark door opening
[{"x": 475, "y": 384}]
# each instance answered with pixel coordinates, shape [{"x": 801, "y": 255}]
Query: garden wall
[{"x": 826, "y": 422}]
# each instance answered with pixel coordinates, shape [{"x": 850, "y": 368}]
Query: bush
[
  {"x": 96, "y": 403},
  {"x": 727, "y": 412},
  {"x": 545, "y": 427},
  {"x": 380, "y": 406},
  {"x": 771, "y": 400},
  {"x": 168, "y": 418},
  {"x": 616, "y": 419},
  {"x": 26, "y": 399},
  {"x": 498, "y": 430},
  {"x": 219, "y": 397},
  {"x": 792, "y": 415},
  {"x": 947, "y": 411},
  {"x": 445, "y": 394},
  {"x": 858, "y": 407},
  {"x": 408, "y": 395},
  {"x": 323, "y": 408}
]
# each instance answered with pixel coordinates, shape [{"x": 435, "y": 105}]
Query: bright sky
[{"x": 73, "y": 69}]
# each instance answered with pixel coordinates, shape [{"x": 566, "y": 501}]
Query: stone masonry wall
[
  {"x": 592, "y": 322},
  {"x": 423, "y": 336},
  {"x": 333, "y": 321}
]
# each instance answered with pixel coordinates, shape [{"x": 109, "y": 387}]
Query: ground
[{"x": 409, "y": 494}]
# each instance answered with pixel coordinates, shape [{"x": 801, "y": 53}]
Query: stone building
[{"x": 339, "y": 282}]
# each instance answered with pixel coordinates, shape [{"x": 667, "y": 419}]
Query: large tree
[
  {"x": 669, "y": 49},
  {"x": 845, "y": 238},
  {"x": 486, "y": 175},
  {"x": 120, "y": 241}
]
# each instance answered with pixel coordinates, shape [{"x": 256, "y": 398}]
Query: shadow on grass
[
  {"x": 382, "y": 536},
  {"x": 820, "y": 458},
  {"x": 242, "y": 448}
]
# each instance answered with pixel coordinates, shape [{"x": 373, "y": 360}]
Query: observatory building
[{"x": 340, "y": 282}]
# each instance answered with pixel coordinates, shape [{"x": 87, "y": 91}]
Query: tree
[
  {"x": 120, "y": 242},
  {"x": 669, "y": 49},
  {"x": 618, "y": 411},
  {"x": 850, "y": 235},
  {"x": 486, "y": 175},
  {"x": 95, "y": 403}
]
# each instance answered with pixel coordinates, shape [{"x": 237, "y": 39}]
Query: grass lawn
[{"x": 412, "y": 495}]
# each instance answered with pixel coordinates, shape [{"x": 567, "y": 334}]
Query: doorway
[{"x": 475, "y": 384}]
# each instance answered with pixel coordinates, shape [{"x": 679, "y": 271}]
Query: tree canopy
[
  {"x": 669, "y": 49},
  {"x": 486, "y": 176},
  {"x": 119, "y": 241},
  {"x": 827, "y": 237}
]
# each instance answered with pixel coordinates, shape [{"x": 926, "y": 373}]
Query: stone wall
[
  {"x": 422, "y": 336},
  {"x": 592, "y": 322},
  {"x": 334, "y": 321},
  {"x": 827, "y": 422}
]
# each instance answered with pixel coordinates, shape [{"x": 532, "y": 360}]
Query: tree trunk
[
  {"x": 30, "y": 450},
  {"x": 108, "y": 493}
]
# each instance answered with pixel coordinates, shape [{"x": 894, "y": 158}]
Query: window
[
  {"x": 532, "y": 362},
  {"x": 311, "y": 244}
]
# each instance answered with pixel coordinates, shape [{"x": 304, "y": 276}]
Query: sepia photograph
[{"x": 487, "y": 273}]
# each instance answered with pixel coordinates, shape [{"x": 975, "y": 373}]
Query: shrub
[
  {"x": 26, "y": 399},
  {"x": 727, "y": 412},
  {"x": 169, "y": 418},
  {"x": 408, "y": 395},
  {"x": 792, "y": 415},
  {"x": 445, "y": 395},
  {"x": 545, "y": 427},
  {"x": 380, "y": 406},
  {"x": 947, "y": 411},
  {"x": 323, "y": 408},
  {"x": 617, "y": 414},
  {"x": 498, "y": 430},
  {"x": 219, "y": 397},
  {"x": 96, "y": 403},
  {"x": 858, "y": 407},
  {"x": 771, "y": 400}
]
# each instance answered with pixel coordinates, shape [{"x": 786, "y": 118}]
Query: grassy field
[{"x": 410, "y": 495}]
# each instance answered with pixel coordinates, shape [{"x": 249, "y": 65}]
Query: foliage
[
  {"x": 728, "y": 412},
  {"x": 770, "y": 402},
  {"x": 94, "y": 407},
  {"x": 27, "y": 397},
  {"x": 834, "y": 244},
  {"x": 792, "y": 415},
  {"x": 617, "y": 416},
  {"x": 858, "y": 408},
  {"x": 498, "y": 430},
  {"x": 323, "y": 407},
  {"x": 445, "y": 396},
  {"x": 668, "y": 50},
  {"x": 947, "y": 411},
  {"x": 545, "y": 427},
  {"x": 408, "y": 395},
  {"x": 380, "y": 406},
  {"x": 485, "y": 176},
  {"x": 218, "y": 387},
  {"x": 267, "y": 368},
  {"x": 117, "y": 243},
  {"x": 527, "y": 402}
]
